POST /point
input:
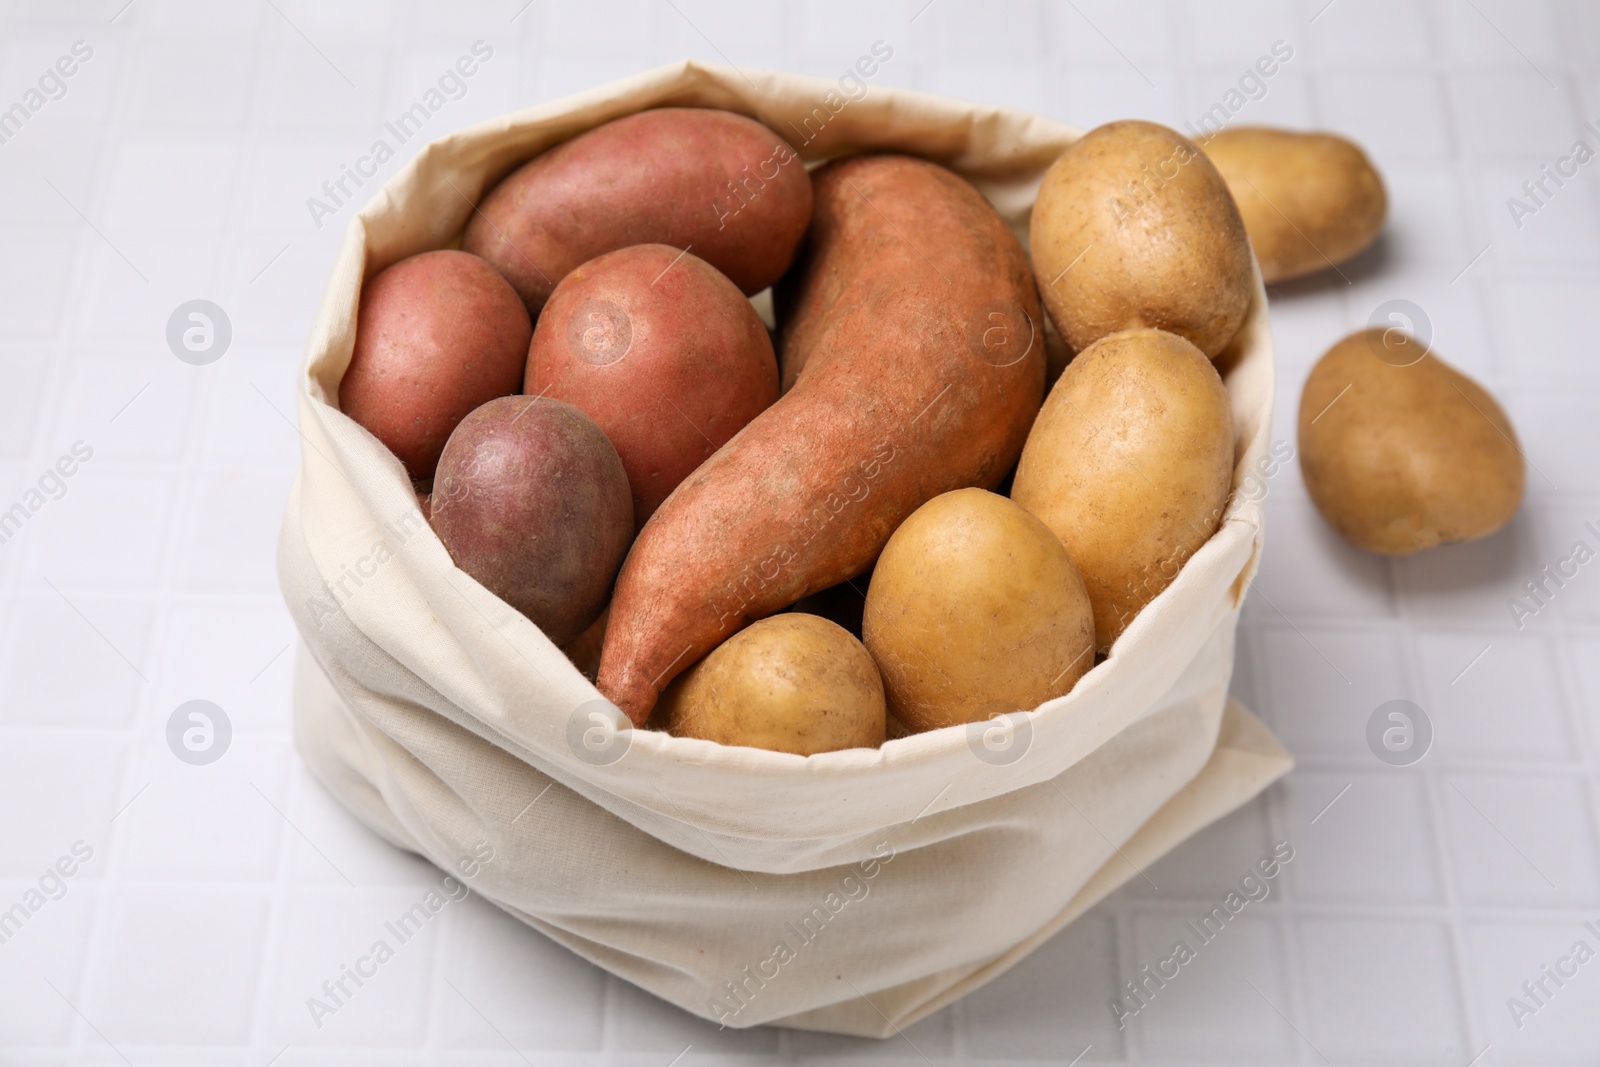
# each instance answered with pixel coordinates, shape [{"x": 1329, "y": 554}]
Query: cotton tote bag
[{"x": 853, "y": 891}]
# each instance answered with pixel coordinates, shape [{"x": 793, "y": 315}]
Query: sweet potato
[
  {"x": 913, "y": 323},
  {"x": 719, "y": 183}
]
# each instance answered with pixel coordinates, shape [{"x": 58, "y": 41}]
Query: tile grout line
[
  {"x": 1455, "y": 913},
  {"x": 1124, "y": 916},
  {"x": 1585, "y": 735},
  {"x": 1444, "y": 871},
  {"x": 1289, "y": 917},
  {"x": 280, "y": 888},
  {"x": 1486, "y": 283},
  {"x": 118, "y": 841}
]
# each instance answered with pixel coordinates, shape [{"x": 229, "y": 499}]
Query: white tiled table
[{"x": 178, "y": 164}]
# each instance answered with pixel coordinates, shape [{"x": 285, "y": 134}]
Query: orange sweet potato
[{"x": 914, "y": 365}]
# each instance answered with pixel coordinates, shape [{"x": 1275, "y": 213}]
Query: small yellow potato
[
  {"x": 1134, "y": 227},
  {"x": 1310, "y": 201},
  {"x": 1130, "y": 463},
  {"x": 975, "y": 609},
  {"x": 1403, "y": 452},
  {"x": 789, "y": 683}
]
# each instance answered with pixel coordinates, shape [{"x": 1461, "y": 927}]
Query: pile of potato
[{"x": 872, "y": 520}]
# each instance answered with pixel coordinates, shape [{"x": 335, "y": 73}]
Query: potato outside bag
[{"x": 853, "y": 892}]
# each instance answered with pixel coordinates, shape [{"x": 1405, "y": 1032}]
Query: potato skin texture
[
  {"x": 532, "y": 501},
  {"x": 1130, "y": 463},
  {"x": 1134, "y": 227},
  {"x": 1309, "y": 200},
  {"x": 975, "y": 609},
  {"x": 908, "y": 389},
  {"x": 682, "y": 176},
  {"x": 663, "y": 352},
  {"x": 790, "y": 683},
  {"x": 1412, "y": 456},
  {"x": 437, "y": 334}
]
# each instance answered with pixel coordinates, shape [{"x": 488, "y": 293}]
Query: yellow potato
[
  {"x": 975, "y": 609},
  {"x": 1309, "y": 200},
  {"x": 1130, "y": 463},
  {"x": 1401, "y": 451},
  {"x": 1134, "y": 227},
  {"x": 789, "y": 683}
]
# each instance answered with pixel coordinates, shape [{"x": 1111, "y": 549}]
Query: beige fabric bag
[{"x": 852, "y": 891}]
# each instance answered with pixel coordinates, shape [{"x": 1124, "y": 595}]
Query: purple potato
[{"x": 531, "y": 499}]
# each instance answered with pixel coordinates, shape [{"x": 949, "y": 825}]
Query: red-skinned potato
[
  {"x": 718, "y": 182},
  {"x": 532, "y": 501},
  {"x": 915, "y": 321},
  {"x": 663, "y": 352},
  {"x": 437, "y": 335}
]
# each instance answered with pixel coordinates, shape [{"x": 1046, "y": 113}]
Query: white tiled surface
[{"x": 219, "y": 897}]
